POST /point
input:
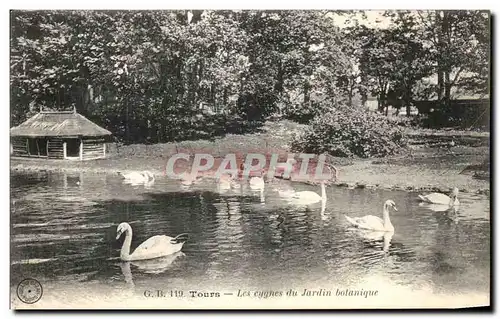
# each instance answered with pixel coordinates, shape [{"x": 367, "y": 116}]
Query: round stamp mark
[{"x": 29, "y": 290}]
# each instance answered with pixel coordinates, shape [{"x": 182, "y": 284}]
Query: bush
[
  {"x": 302, "y": 114},
  {"x": 414, "y": 121},
  {"x": 346, "y": 132}
]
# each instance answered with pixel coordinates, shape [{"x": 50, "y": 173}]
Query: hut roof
[{"x": 58, "y": 124}]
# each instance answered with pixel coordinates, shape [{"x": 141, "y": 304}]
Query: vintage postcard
[{"x": 249, "y": 159}]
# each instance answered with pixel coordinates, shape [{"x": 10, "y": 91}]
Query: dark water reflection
[{"x": 63, "y": 230}]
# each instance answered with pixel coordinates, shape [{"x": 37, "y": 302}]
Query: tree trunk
[
  {"x": 224, "y": 98},
  {"x": 440, "y": 82},
  {"x": 278, "y": 86},
  {"x": 440, "y": 50},
  {"x": 307, "y": 96},
  {"x": 445, "y": 38},
  {"x": 192, "y": 87},
  {"x": 447, "y": 87},
  {"x": 350, "y": 92},
  {"x": 180, "y": 83},
  {"x": 382, "y": 102},
  {"x": 407, "y": 100},
  {"x": 308, "y": 72},
  {"x": 127, "y": 120},
  {"x": 364, "y": 98},
  {"x": 213, "y": 95}
]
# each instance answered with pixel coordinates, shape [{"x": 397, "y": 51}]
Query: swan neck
[
  {"x": 125, "y": 251},
  {"x": 387, "y": 220},
  {"x": 453, "y": 199},
  {"x": 150, "y": 177},
  {"x": 323, "y": 192}
]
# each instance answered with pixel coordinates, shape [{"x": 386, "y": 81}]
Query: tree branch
[
  {"x": 428, "y": 25},
  {"x": 456, "y": 76}
]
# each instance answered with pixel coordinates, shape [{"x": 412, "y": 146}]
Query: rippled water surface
[{"x": 63, "y": 231}]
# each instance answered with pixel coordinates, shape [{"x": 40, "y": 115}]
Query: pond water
[{"x": 63, "y": 230}]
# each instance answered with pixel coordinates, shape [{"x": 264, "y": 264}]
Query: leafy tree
[
  {"x": 458, "y": 44},
  {"x": 155, "y": 76},
  {"x": 164, "y": 75}
]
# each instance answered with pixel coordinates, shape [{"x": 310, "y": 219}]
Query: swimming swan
[
  {"x": 308, "y": 197},
  {"x": 227, "y": 181},
  {"x": 138, "y": 177},
  {"x": 281, "y": 168},
  {"x": 187, "y": 180},
  {"x": 224, "y": 182},
  {"x": 442, "y": 199},
  {"x": 286, "y": 193},
  {"x": 374, "y": 222},
  {"x": 154, "y": 247},
  {"x": 257, "y": 183}
]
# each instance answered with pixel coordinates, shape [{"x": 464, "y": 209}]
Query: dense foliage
[
  {"x": 347, "y": 132},
  {"x": 157, "y": 76},
  {"x": 165, "y": 75},
  {"x": 433, "y": 54}
]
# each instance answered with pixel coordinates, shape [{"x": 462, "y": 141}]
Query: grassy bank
[{"x": 427, "y": 166}]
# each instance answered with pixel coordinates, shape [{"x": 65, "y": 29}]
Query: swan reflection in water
[
  {"x": 448, "y": 212},
  {"x": 324, "y": 217},
  {"x": 436, "y": 207},
  {"x": 376, "y": 236},
  {"x": 281, "y": 217},
  {"x": 149, "y": 266}
]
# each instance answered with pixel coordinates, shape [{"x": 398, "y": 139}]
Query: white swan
[
  {"x": 441, "y": 199},
  {"x": 187, "y": 180},
  {"x": 280, "y": 168},
  {"x": 373, "y": 222},
  {"x": 286, "y": 193},
  {"x": 224, "y": 182},
  {"x": 256, "y": 183},
  {"x": 138, "y": 177},
  {"x": 235, "y": 184},
  {"x": 308, "y": 197},
  {"x": 227, "y": 181},
  {"x": 154, "y": 247}
]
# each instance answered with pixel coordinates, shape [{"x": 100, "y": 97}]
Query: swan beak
[
  {"x": 118, "y": 235},
  {"x": 395, "y": 208}
]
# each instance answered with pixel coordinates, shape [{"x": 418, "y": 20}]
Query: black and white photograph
[{"x": 246, "y": 159}]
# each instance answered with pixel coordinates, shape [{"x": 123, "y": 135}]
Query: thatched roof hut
[{"x": 59, "y": 135}]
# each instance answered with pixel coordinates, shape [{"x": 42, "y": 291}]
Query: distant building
[{"x": 59, "y": 135}]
